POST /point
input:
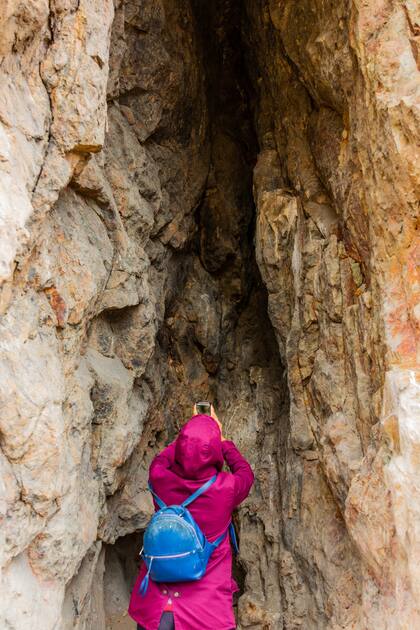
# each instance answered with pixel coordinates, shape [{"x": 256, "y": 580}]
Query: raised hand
[{"x": 214, "y": 416}]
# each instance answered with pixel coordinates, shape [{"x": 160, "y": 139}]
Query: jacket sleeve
[
  {"x": 241, "y": 470},
  {"x": 161, "y": 462}
]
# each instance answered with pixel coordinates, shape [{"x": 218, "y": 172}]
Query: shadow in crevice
[
  {"x": 217, "y": 339},
  {"x": 122, "y": 563}
]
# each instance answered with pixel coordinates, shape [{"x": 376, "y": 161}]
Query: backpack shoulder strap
[
  {"x": 233, "y": 537},
  {"x": 199, "y": 491},
  {"x": 231, "y": 530},
  {"x": 159, "y": 501}
]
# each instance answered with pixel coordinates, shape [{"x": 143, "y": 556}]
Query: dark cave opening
[
  {"x": 216, "y": 336},
  {"x": 121, "y": 566},
  {"x": 209, "y": 199}
]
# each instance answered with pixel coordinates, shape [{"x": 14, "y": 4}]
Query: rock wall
[
  {"x": 210, "y": 199},
  {"x": 95, "y": 213},
  {"x": 336, "y": 186}
]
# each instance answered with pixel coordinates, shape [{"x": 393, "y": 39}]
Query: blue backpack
[{"x": 174, "y": 547}]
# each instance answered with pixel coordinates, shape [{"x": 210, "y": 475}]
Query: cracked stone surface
[{"x": 210, "y": 200}]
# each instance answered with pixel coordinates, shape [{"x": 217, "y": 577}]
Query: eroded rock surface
[
  {"x": 336, "y": 193},
  {"x": 210, "y": 199}
]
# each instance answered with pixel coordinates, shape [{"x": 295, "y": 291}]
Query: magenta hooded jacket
[{"x": 182, "y": 467}]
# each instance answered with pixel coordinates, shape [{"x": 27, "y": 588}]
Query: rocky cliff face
[{"x": 210, "y": 199}]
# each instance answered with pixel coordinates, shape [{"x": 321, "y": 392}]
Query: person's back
[{"x": 194, "y": 457}]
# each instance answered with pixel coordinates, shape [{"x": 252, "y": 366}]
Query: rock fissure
[{"x": 210, "y": 199}]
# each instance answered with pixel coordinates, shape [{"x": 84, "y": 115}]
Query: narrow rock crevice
[
  {"x": 216, "y": 336},
  {"x": 209, "y": 199}
]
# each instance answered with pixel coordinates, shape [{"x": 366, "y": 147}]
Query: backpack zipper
[{"x": 173, "y": 555}]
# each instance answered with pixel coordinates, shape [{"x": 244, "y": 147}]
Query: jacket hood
[{"x": 198, "y": 449}]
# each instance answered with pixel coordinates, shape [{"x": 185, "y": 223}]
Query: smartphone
[{"x": 203, "y": 407}]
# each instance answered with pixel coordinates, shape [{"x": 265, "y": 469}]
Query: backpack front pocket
[{"x": 178, "y": 567}]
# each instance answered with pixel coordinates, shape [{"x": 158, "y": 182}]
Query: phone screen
[{"x": 203, "y": 407}]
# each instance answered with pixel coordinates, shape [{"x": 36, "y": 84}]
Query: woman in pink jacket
[{"x": 181, "y": 468}]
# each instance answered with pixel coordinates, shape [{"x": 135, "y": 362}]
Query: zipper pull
[{"x": 145, "y": 581}]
